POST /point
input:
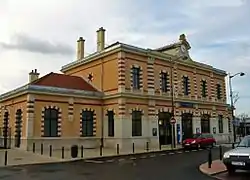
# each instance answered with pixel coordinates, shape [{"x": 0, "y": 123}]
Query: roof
[{"x": 64, "y": 81}]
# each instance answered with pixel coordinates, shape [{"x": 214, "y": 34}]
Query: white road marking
[{"x": 93, "y": 161}]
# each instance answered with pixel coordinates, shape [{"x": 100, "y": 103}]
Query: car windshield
[
  {"x": 245, "y": 142},
  {"x": 195, "y": 136}
]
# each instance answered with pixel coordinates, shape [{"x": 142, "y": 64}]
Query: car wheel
[
  {"x": 198, "y": 146},
  {"x": 231, "y": 170}
]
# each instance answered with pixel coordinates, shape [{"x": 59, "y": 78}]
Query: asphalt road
[
  {"x": 239, "y": 175},
  {"x": 159, "y": 166}
]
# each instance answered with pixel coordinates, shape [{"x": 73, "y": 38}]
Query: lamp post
[{"x": 231, "y": 99}]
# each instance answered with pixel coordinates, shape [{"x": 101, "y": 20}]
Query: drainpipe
[{"x": 102, "y": 104}]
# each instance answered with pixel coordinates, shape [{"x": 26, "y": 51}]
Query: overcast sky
[{"x": 42, "y": 34}]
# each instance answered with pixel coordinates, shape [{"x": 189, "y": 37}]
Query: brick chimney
[
  {"x": 80, "y": 48},
  {"x": 33, "y": 76},
  {"x": 100, "y": 39}
]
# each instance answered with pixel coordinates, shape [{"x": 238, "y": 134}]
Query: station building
[{"x": 120, "y": 94}]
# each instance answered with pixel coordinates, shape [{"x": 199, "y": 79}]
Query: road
[
  {"x": 240, "y": 175},
  {"x": 160, "y": 166}
]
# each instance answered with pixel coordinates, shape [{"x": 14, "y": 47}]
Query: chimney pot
[
  {"x": 33, "y": 76},
  {"x": 100, "y": 39},
  {"x": 80, "y": 48}
]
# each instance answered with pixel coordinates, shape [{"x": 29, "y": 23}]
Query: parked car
[
  {"x": 199, "y": 141},
  {"x": 238, "y": 158}
]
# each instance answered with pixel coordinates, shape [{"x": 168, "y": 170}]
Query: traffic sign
[{"x": 172, "y": 120}]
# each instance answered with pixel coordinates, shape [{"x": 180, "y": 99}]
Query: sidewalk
[
  {"x": 216, "y": 167},
  {"x": 94, "y": 153},
  {"x": 21, "y": 157}
]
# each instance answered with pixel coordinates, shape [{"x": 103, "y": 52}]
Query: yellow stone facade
[{"x": 112, "y": 77}]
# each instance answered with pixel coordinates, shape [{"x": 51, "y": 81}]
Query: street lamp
[{"x": 231, "y": 99}]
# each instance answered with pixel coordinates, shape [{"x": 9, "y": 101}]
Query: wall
[
  {"x": 12, "y": 106},
  {"x": 108, "y": 73}
]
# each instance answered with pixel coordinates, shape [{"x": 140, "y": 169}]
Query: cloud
[
  {"x": 27, "y": 43},
  {"x": 218, "y": 32}
]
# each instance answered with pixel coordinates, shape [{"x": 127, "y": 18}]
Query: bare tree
[{"x": 235, "y": 97}]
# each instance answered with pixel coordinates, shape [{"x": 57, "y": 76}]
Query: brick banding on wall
[
  {"x": 71, "y": 108},
  {"x": 121, "y": 72},
  {"x": 195, "y": 84},
  {"x": 18, "y": 125},
  {"x": 121, "y": 108},
  {"x": 175, "y": 81},
  {"x": 59, "y": 120},
  {"x": 212, "y": 87},
  {"x": 151, "y": 110},
  {"x": 150, "y": 72},
  {"x": 94, "y": 120}
]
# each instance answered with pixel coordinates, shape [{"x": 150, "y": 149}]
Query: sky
[{"x": 42, "y": 34}]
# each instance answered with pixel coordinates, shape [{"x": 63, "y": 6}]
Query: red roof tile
[{"x": 64, "y": 81}]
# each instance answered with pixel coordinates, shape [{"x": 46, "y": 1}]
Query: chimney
[
  {"x": 100, "y": 39},
  {"x": 33, "y": 76},
  {"x": 80, "y": 48}
]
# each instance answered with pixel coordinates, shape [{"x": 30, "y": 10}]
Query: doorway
[
  {"x": 18, "y": 128},
  {"x": 165, "y": 128},
  {"x": 205, "y": 123},
  {"x": 187, "y": 125}
]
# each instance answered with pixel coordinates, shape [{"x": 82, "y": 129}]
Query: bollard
[
  {"x": 117, "y": 149},
  {"x": 221, "y": 152},
  {"x": 147, "y": 146},
  {"x": 5, "y": 158},
  {"x": 81, "y": 151},
  {"x": 62, "y": 152},
  {"x": 50, "y": 150},
  {"x": 100, "y": 150},
  {"x": 133, "y": 148},
  {"x": 41, "y": 148},
  {"x": 34, "y": 147},
  {"x": 209, "y": 158},
  {"x": 233, "y": 146},
  {"x": 160, "y": 147}
]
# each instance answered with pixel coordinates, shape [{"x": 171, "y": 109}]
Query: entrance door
[
  {"x": 165, "y": 128},
  {"x": 18, "y": 128},
  {"x": 187, "y": 125}
]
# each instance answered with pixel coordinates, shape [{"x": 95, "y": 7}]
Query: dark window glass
[
  {"x": 204, "y": 88},
  {"x": 51, "y": 122},
  {"x": 218, "y": 89},
  {"x": 111, "y": 123},
  {"x": 87, "y": 123},
  {"x": 185, "y": 85},
  {"x": 205, "y": 124},
  {"x": 136, "y": 77},
  {"x": 220, "y": 123},
  {"x": 136, "y": 123},
  {"x": 164, "y": 82}
]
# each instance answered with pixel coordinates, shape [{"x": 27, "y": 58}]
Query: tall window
[
  {"x": 136, "y": 123},
  {"x": 111, "y": 123},
  {"x": 220, "y": 123},
  {"x": 164, "y": 81},
  {"x": 229, "y": 125},
  {"x": 218, "y": 90},
  {"x": 51, "y": 122},
  {"x": 185, "y": 85},
  {"x": 87, "y": 123},
  {"x": 205, "y": 123},
  {"x": 136, "y": 77},
  {"x": 204, "y": 88}
]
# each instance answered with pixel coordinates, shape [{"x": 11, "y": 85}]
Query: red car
[{"x": 199, "y": 141}]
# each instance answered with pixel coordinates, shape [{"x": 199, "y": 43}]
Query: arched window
[
  {"x": 87, "y": 121},
  {"x": 51, "y": 122},
  {"x": 136, "y": 123},
  {"x": 205, "y": 123}
]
